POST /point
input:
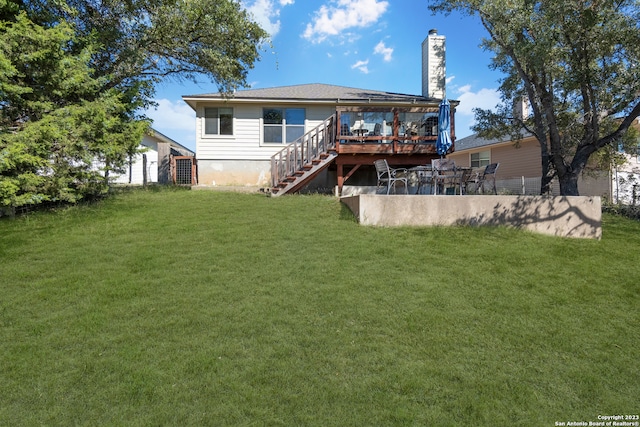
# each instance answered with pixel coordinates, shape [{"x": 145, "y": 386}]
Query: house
[
  {"x": 162, "y": 160},
  {"x": 287, "y": 138},
  {"x": 625, "y": 179},
  {"x": 520, "y": 168}
]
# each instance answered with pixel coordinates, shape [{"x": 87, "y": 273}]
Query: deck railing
[{"x": 302, "y": 153}]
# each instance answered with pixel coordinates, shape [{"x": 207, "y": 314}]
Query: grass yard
[{"x": 222, "y": 309}]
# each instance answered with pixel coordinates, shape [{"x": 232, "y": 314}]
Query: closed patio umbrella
[{"x": 443, "y": 143}]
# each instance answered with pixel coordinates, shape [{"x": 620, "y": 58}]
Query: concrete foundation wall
[
  {"x": 558, "y": 216},
  {"x": 256, "y": 173},
  {"x": 234, "y": 172}
]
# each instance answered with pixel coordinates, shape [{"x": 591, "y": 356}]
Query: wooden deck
[
  {"x": 387, "y": 148},
  {"x": 354, "y": 137}
]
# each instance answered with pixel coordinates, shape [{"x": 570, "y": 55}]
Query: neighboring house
[
  {"x": 520, "y": 168},
  {"x": 625, "y": 179},
  {"x": 339, "y": 131},
  {"x": 157, "y": 162}
]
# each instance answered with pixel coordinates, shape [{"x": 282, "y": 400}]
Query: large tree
[
  {"x": 74, "y": 75},
  {"x": 60, "y": 134},
  {"x": 576, "y": 62},
  {"x": 149, "y": 40}
]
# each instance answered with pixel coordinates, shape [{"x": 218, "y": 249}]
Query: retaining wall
[{"x": 578, "y": 216}]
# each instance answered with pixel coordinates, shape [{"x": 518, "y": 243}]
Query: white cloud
[
  {"x": 174, "y": 119},
  {"x": 362, "y": 66},
  {"x": 484, "y": 98},
  {"x": 170, "y": 115},
  {"x": 341, "y": 15},
  {"x": 266, "y": 14},
  {"x": 383, "y": 50}
]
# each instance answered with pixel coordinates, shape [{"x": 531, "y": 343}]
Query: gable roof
[
  {"x": 474, "y": 141},
  {"x": 315, "y": 92},
  {"x": 176, "y": 146}
]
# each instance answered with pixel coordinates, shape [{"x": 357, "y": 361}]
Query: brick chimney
[{"x": 433, "y": 66}]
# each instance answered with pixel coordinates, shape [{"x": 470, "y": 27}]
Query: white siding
[
  {"x": 135, "y": 172},
  {"x": 246, "y": 142}
]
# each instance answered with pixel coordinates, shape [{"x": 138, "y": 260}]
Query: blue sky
[{"x": 368, "y": 44}]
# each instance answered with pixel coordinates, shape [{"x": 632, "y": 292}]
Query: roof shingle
[{"x": 319, "y": 91}]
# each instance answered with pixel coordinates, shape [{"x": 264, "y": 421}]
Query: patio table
[{"x": 423, "y": 174}]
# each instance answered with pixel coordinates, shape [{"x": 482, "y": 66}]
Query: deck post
[{"x": 396, "y": 130}]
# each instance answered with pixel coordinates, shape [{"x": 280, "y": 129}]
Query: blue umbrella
[{"x": 443, "y": 143}]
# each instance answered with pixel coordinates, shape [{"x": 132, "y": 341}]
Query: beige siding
[
  {"x": 462, "y": 158},
  {"x": 514, "y": 162},
  {"x": 524, "y": 161},
  {"x": 518, "y": 162}
]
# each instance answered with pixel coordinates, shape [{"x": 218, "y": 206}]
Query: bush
[{"x": 629, "y": 211}]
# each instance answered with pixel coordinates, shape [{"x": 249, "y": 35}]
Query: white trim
[
  {"x": 191, "y": 101},
  {"x": 213, "y": 136},
  {"x": 284, "y": 142}
]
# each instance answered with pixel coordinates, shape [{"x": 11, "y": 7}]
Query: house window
[
  {"x": 283, "y": 124},
  {"x": 371, "y": 122},
  {"x": 218, "y": 121},
  {"x": 483, "y": 158},
  {"x": 418, "y": 124}
]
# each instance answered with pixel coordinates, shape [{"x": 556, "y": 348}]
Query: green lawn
[{"x": 204, "y": 308}]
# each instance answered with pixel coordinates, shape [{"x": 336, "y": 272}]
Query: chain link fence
[{"x": 587, "y": 186}]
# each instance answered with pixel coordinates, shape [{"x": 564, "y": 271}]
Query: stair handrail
[{"x": 303, "y": 151}]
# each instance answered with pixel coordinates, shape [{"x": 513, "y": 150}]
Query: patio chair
[
  {"x": 389, "y": 177},
  {"x": 345, "y": 131},
  {"x": 425, "y": 179},
  {"x": 465, "y": 178},
  {"x": 444, "y": 173},
  {"x": 489, "y": 175},
  {"x": 471, "y": 182}
]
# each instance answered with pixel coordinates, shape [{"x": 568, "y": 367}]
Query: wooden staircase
[{"x": 301, "y": 161}]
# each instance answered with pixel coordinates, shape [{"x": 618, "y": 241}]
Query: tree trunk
[
  {"x": 547, "y": 174},
  {"x": 144, "y": 170},
  {"x": 569, "y": 184},
  {"x": 568, "y": 175},
  {"x": 547, "y": 170}
]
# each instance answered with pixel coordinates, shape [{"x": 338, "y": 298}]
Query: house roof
[
  {"x": 173, "y": 144},
  {"x": 315, "y": 92},
  {"x": 474, "y": 141}
]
